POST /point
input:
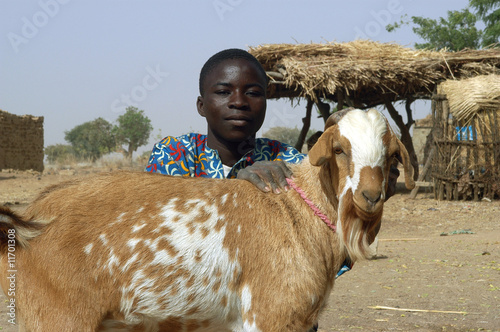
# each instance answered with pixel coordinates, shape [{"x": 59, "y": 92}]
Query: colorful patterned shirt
[{"x": 189, "y": 155}]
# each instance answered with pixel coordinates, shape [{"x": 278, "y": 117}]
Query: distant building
[{"x": 21, "y": 142}]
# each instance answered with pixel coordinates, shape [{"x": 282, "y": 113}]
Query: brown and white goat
[{"x": 132, "y": 251}]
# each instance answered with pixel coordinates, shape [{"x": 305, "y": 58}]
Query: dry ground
[{"x": 454, "y": 279}]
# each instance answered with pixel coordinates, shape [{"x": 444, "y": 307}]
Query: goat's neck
[{"x": 318, "y": 185}]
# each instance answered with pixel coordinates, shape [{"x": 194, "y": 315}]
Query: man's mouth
[{"x": 238, "y": 120}]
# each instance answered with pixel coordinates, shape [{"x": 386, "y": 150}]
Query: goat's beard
[{"x": 356, "y": 228}]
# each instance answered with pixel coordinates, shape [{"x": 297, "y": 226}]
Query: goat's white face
[
  {"x": 359, "y": 149},
  {"x": 365, "y": 131}
]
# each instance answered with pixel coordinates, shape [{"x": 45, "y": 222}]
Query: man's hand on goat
[{"x": 267, "y": 175}]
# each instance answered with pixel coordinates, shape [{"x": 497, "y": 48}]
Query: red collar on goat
[
  {"x": 347, "y": 264},
  {"x": 313, "y": 206}
]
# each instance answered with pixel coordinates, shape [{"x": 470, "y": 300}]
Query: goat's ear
[
  {"x": 408, "y": 168},
  {"x": 322, "y": 149}
]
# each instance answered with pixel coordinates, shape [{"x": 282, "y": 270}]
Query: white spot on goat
[
  {"x": 112, "y": 261},
  {"x": 251, "y": 327},
  {"x": 132, "y": 243},
  {"x": 103, "y": 239},
  {"x": 246, "y": 299},
  {"x": 136, "y": 228},
  {"x": 129, "y": 262},
  {"x": 88, "y": 248},
  {"x": 223, "y": 199},
  {"x": 120, "y": 217}
]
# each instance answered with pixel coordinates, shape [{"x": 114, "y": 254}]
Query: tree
[
  {"x": 91, "y": 139},
  {"x": 285, "y": 135},
  {"x": 133, "y": 130},
  {"x": 489, "y": 12},
  {"x": 455, "y": 33},
  {"x": 59, "y": 153},
  {"x": 459, "y": 30}
]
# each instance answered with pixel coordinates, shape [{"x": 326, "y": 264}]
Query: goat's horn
[{"x": 335, "y": 117}]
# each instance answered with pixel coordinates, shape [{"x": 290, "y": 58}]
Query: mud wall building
[{"x": 21, "y": 142}]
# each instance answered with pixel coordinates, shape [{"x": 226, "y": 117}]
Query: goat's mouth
[{"x": 368, "y": 210}]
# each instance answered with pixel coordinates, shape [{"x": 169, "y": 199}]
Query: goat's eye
[{"x": 338, "y": 150}]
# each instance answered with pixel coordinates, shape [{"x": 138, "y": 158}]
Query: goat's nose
[{"x": 372, "y": 196}]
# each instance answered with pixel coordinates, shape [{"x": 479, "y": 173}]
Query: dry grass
[
  {"x": 469, "y": 96},
  {"x": 362, "y": 69}
]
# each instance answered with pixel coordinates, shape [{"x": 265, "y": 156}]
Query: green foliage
[
  {"x": 59, "y": 153},
  {"x": 133, "y": 130},
  {"x": 459, "y": 30},
  {"x": 489, "y": 12},
  {"x": 396, "y": 25},
  {"x": 455, "y": 33},
  {"x": 286, "y": 135},
  {"x": 91, "y": 139}
]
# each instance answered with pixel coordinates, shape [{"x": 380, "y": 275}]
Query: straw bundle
[
  {"x": 363, "y": 70},
  {"x": 469, "y": 96}
]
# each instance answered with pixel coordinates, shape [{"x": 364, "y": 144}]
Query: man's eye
[
  {"x": 255, "y": 93},
  {"x": 222, "y": 92}
]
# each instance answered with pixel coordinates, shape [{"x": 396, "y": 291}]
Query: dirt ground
[{"x": 437, "y": 266}]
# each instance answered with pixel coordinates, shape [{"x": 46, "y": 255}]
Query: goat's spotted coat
[{"x": 146, "y": 252}]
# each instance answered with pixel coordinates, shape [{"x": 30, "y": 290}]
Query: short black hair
[{"x": 228, "y": 54}]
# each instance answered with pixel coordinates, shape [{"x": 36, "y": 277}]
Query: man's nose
[{"x": 238, "y": 100}]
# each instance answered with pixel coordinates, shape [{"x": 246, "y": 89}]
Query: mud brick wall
[{"x": 21, "y": 142}]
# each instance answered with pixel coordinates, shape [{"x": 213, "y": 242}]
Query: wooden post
[
  {"x": 455, "y": 191},
  {"x": 340, "y": 99},
  {"x": 440, "y": 190},
  {"x": 305, "y": 128},
  {"x": 476, "y": 192},
  {"x": 422, "y": 175},
  {"x": 449, "y": 191}
]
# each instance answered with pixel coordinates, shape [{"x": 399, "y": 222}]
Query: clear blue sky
[{"x": 72, "y": 61}]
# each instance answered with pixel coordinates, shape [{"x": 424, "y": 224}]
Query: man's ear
[
  {"x": 322, "y": 149},
  {"x": 199, "y": 106}
]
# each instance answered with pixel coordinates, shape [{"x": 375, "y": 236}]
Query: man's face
[{"x": 234, "y": 100}]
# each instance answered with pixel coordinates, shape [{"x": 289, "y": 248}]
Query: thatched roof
[
  {"x": 469, "y": 96},
  {"x": 362, "y": 71}
]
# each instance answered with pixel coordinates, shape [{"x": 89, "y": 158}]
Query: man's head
[
  {"x": 233, "y": 97},
  {"x": 229, "y": 54}
]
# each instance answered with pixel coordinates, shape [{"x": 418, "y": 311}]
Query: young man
[{"x": 232, "y": 99}]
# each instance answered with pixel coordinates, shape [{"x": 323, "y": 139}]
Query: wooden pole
[
  {"x": 306, "y": 125},
  {"x": 422, "y": 175}
]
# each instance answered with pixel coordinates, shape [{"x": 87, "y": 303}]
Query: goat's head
[{"x": 357, "y": 150}]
